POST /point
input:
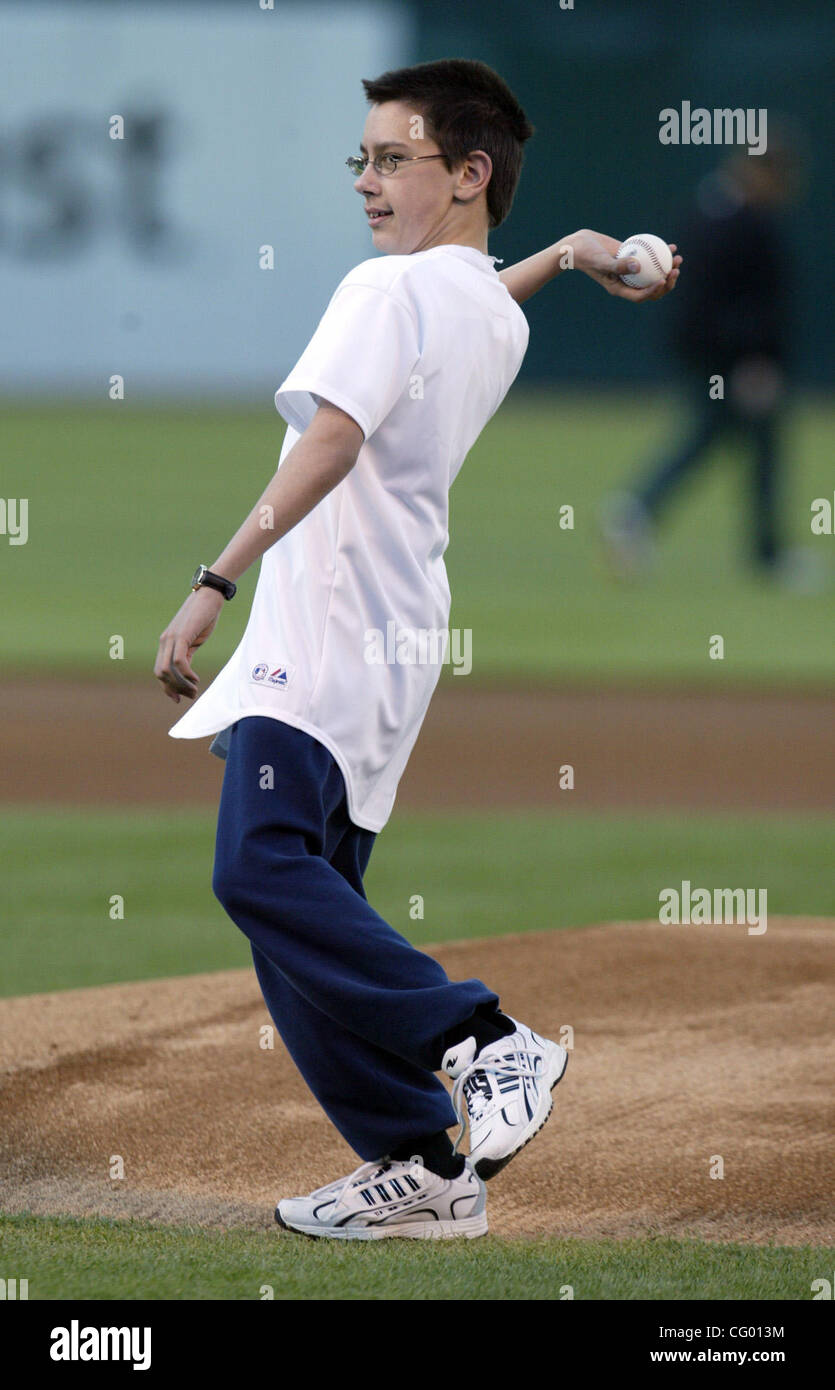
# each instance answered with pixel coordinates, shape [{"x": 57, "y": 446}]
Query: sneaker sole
[
  {"x": 487, "y": 1168},
  {"x": 468, "y": 1228}
]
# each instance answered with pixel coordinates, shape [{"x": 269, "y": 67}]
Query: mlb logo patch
[{"x": 279, "y": 677}]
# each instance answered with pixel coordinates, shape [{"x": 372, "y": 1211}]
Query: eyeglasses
[{"x": 385, "y": 163}]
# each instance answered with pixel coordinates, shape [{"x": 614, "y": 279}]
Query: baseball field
[{"x": 148, "y": 1123}]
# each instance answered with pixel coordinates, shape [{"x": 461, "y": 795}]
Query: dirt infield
[
  {"x": 86, "y": 742},
  {"x": 689, "y": 1042}
]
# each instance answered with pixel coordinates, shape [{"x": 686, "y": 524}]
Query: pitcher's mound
[{"x": 698, "y": 1098}]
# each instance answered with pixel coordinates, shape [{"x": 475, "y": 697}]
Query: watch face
[{"x": 197, "y": 577}]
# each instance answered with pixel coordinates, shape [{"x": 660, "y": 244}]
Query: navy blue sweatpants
[{"x": 361, "y": 1011}]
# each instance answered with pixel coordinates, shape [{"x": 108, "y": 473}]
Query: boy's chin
[
  {"x": 392, "y": 243},
  {"x": 386, "y": 243}
]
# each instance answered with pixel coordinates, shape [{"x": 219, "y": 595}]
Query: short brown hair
[{"x": 466, "y": 106}]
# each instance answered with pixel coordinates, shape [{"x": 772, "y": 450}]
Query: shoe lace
[
  {"x": 501, "y": 1067},
  {"x": 366, "y": 1172}
]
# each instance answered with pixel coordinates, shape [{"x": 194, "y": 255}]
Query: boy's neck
[{"x": 476, "y": 243}]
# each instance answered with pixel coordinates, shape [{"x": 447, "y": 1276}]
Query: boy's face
[{"x": 418, "y": 197}]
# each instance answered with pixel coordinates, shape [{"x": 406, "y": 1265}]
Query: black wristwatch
[{"x": 202, "y": 576}]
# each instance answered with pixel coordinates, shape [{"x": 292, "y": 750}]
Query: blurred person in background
[{"x": 732, "y": 321}]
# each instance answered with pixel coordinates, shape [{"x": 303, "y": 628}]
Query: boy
[{"x": 415, "y": 352}]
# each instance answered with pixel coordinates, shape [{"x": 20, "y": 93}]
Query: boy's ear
[{"x": 475, "y": 173}]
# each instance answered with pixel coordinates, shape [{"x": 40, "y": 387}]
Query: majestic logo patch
[{"x": 279, "y": 677}]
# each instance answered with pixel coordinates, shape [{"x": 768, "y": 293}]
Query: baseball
[{"x": 655, "y": 257}]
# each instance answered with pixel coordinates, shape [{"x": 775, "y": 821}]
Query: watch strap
[{"x": 206, "y": 577}]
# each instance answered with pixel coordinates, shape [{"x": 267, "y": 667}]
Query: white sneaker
[
  {"x": 390, "y": 1198},
  {"x": 504, "y": 1091}
]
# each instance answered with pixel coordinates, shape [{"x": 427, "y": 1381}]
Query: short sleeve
[{"x": 360, "y": 358}]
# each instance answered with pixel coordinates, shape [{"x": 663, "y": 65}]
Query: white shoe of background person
[
  {"x": 628, "y": 535},
  {"x": 389, "y": 1198},
  {"x": 800, "y": 570},
  {"x": 504, "y": 1093}
]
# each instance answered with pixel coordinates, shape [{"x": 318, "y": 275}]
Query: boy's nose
[{"x": 368, "y": 181}]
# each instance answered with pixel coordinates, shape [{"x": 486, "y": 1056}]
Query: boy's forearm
[
  {"x": 309, "y": 472},
  {"x": 526, "y": 277}
]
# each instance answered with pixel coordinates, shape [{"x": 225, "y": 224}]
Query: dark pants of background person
[{"x": 715, "y": 422}]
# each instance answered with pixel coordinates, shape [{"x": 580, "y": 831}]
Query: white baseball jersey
[{"x": 343, "y": 636}]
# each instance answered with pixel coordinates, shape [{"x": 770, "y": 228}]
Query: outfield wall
[
  {"x": 143, "y": 256},
  {"x": 140, "y": 257}
]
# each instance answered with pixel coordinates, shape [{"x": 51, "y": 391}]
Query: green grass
[
  {"x": 478, "y": 875},
  {"x": 101, "y": 1259},
  {"x": 540, "y": 600},
  {"x": 124, "y": 503}
]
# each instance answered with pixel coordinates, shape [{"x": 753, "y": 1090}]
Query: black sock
[
  {"x": 486, "y": 1025},
  {"x": 435, "y": 1153}
]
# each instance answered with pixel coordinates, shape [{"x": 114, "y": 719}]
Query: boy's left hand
[{"x": 597, "y": 255}]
